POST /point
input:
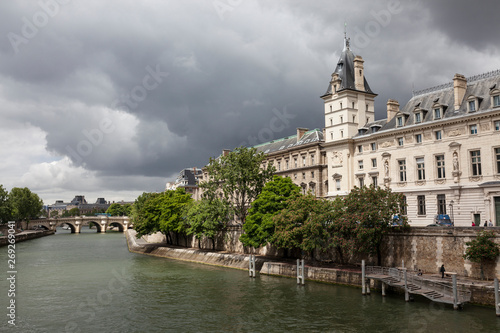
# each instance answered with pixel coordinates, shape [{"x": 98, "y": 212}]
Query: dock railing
[{"x": 397, "y": 273}]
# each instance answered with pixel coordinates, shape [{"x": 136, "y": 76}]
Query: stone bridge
[{"x": 102, "y": 223}]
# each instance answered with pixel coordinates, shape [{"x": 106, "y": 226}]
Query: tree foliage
[
  {"x": 207, "y": 218},
  {"x": 373, "y": 209},
  {"x": 259, "y": 226},
  {"x": 117, "y": 209},
  {"x": 482, "y": 249},
  {"x": 25, "y": 204},
  {"x": 163, "y": 212},
  {"x": 237, "y": 178},
  {"x": 5, "y": 206},
  {"x": 303, "y": 224}
]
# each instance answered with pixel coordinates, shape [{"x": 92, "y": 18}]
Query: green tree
[
  {"x": 373, "y": 210},
  {"x": 303, "y": 224},
  {"x": 237, "y": 178},
  {"x": 482, "y": 249},
  {"x": 25, "y": 204},
  {"x": 75, "y": 211},
  {"x": 5, "y": 206},
  {"x": 207, "y": 218},
  {"x": 54, "y": 213},
  {"x": 164, "y": 212},
  {"x": 259, "y": 226},
  {"x": 342, "y": 230},
  {"x": 116, "y": 210}
]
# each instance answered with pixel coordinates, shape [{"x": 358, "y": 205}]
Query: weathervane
[{"x": 346, "y": 40}]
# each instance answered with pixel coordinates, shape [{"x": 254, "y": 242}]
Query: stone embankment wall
[
  {"x": 425, "y": 248},
  {"x": 25, "y": 235}
]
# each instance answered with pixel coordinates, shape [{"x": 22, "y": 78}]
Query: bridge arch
[{"x": 116, "y": 224}]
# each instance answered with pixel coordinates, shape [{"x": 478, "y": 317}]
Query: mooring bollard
[
  {"x": 383, "y": 289},
  {"x": 497, "y": 298},
  {"x": 300, "y": 272},
  {"x": 251, "y": 265},
  {"x": 407, "y": 294},
  {"x": 363, "y": 285},
  {"x": 455, "y": 291}
]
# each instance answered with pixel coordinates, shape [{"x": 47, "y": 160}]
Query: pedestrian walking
[
  {"x": 442, "y": 270},
  {"x": 490, "y": 224}
]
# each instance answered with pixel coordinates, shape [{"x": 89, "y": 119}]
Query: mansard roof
[
  {"x": 288, "y": 142},
  {"x": 345, "y": 70},
  {"x": 478, "y": 87}
]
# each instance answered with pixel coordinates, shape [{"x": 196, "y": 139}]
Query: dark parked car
[{"x": 441, "y": 220}]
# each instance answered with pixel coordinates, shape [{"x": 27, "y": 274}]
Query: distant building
[
  {"x": 188, "y": 179},
  {"x": 79, "y": 202}
]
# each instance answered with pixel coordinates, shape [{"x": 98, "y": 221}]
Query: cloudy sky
[{"x": 113, "y": 98}]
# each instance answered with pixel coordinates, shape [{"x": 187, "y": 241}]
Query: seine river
[{"x": 90, "y": 282}]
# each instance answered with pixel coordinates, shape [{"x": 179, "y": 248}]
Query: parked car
[{"x": 442, "y": 220}]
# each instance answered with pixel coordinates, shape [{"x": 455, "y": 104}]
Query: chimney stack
[
  {"x": 392, "y": 109},
  {"x": 459, "y": 87},
  {"x": 225, "y": 152},
  {"x": 300, "y": 132},
  {"x": 359, "y": 75}
]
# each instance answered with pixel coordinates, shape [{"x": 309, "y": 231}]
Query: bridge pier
[{"x": 78, "y": 223}]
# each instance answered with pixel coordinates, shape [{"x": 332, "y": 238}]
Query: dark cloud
[{"x": 225, "y": 76}]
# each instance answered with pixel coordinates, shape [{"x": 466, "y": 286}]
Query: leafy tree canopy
[
  {"x": 25, "y": 204},
  {"x": 482, "y": 248},
  {"x": 163, "y": 212},
  {"x": 207, "y": 218},
  {"x": 303, "y": 224},
  {"x": 237, "y": 178},
  {"x": 117, "y": 209},
  {"x": 5, "y": 206},
  {"x": 259, "y": 225}
]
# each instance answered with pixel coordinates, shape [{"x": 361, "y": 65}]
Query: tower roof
[{"x": 345, "y": 70}]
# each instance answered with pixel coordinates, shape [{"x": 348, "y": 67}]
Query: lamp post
[{"x": 451, "y": 209}]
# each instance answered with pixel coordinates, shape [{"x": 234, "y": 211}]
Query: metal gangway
[{"x": 414, "y": 284}]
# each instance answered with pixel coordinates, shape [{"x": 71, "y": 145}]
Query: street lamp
[{"x": 451, "y": 209}]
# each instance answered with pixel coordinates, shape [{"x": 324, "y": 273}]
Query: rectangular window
[
  {"x": 312, "y": 159},
  {"x": 295, "y": 161},
  {"x": 496, "y": 100},
  {"x": 279, "y": 166},
  {"x": 361, "y": 182},
  {"x": 287, "y": 164},
  {"x": 295, "y": 176},
  {"x": 360, "y": 165},
  {"x": 438, "y": 134},
  {"x": 497, "y": 125},
  {"x": 441, "y": 203},
  {"x": 403, "y": 209},
  {"x": 418, "y": 138},
  {"x": 303, "y": 175},
  {"x": 400, "y": 141},
  {"x": 312, "y": 174},
  {"x": 421, "y": 204},
  {"x": 337, "y": 184},
  {"x": 373, "y": 146},
  {"x": 374, "y": 181},
  {"x": 304, "y": 160},
  {"x": 476, "y": 162},
  {"x": 374, "y": 162},
  {"x": 360, "y": 149},
  {"x": 400, "y": 121},
  {"x": 472, "y": 106},
  {"x": 418, "y": 118},
  {"x": 420, "y": 168},
  {"x": 497, "y": 155},
  {"x": 437, "y": 113},
  {"x": 440, "y": 166},
  {"x": 402, "y": 170},
  {"x": 473, "y": 129}
]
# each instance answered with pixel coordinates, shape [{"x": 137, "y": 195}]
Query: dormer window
[
  {"x": 437, "y": 113},
  {"x": 418, "y": 117},
  {"x": 496, "y": 100},
  {"x": 399, "y": 121},
  {"x": 472, "y": 106}
]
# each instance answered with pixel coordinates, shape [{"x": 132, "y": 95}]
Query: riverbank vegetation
[
  {"x": 19, "y": 204},
  {"x": 272, "y": 211}
]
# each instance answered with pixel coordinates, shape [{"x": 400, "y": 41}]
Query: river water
[{"x": 90, "y": 282}]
